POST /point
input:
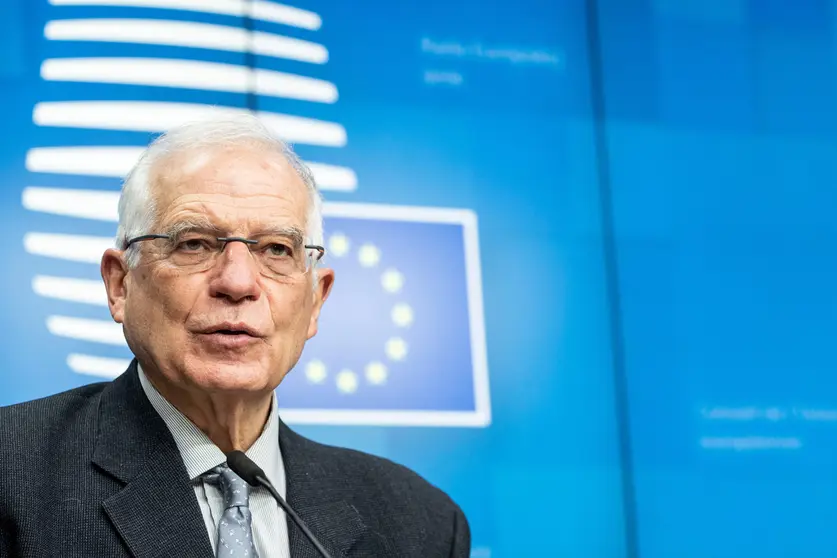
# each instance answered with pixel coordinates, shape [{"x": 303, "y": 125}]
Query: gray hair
[{"x": 137, "y": 210}]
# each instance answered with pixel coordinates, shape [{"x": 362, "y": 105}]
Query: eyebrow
[
  {"x": 203, "y": 224},
  {"x": 199, "y": 223},
  {"x": 294, "y": 233}
]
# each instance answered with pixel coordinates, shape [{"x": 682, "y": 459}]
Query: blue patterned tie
[{"x": 235, "y": 533}]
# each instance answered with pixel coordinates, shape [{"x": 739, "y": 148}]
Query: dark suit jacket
[{"x": 95, "y": 472}]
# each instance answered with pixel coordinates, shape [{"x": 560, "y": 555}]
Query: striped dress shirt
[{"x": 270, "y": 529}]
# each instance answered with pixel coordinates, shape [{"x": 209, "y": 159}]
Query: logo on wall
[{"x": 401, "y": 340}]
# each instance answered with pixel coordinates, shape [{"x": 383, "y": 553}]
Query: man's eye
[
  {"x": 279, "y": 250},
  {"x": 193, "y": 245}
]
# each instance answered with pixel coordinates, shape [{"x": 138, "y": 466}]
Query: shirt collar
[{"x": 200, "y": 454}]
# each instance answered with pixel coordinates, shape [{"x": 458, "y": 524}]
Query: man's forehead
[
  {"x": 250, "y": 184},
  {"x": 228, "y": 214},
  {"x": 202, "y": 214},
  {"x": 211, "y": 168}
]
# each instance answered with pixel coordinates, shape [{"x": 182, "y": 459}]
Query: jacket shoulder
[
  {"x": 386, "y": 488},
  {"x": 387, "y": 475},
  {"x": 35, "y": 430},
  {"x": 397, "y": 502},
  {"x": 43, "y": 411}
]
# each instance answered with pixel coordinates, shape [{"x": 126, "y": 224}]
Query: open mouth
[
  {"x": 232, "y": 338},
  {"x": 231, "y": 332},
  {"x": 230, "y": 335},
  {"x": 231, "y": 329}
]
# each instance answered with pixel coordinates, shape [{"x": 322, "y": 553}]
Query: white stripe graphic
[
  {"x": 95, "y": 161},
  {"x": 86, "y": 204},
  {"x": 382, "y": 418},
  {"x": 115, "y": 162},
  {"x": 77, "y": 248},
  {"x": 257, "y": 9},
  {"x": 97, "y": 366},
  {"x": 68, "y": 288},
  {"x": 213, "y": 76},
  {"x": 98, "y": 331},
  {"x": 332, "y": 177},
  {"x": 148, "y": 116},
  {"x": 185, "y": 34},
  {"x": 280, "y": 13}
]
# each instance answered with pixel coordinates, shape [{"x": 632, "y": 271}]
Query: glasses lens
[
  {"x": 281, "y": 255},
  {"x": 192, "y": 250}
]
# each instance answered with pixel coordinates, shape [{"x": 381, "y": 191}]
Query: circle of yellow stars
[{"x": 401, "y": 314}]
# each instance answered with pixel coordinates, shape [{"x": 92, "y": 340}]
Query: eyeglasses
[{"x": 277, "y": 255}]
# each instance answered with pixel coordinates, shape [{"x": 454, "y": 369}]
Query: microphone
[{"x": 253, "y": 475}]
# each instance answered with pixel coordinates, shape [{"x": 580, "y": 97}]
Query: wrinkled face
[{"x": 231, "y": 327}]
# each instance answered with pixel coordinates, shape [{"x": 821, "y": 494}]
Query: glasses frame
[{"x": 226, "y": 240}]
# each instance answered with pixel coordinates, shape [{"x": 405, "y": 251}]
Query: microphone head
[{"x": 244, "y": 467}]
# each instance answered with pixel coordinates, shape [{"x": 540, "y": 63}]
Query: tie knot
[{"x": 236, "y": 492}]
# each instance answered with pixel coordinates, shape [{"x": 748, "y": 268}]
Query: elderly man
[{"x": 216, "y": 283}]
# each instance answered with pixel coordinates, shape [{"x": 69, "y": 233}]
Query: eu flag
[{"x": 401, "y": 338}]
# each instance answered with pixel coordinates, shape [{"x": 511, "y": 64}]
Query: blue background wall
[
  {"x": 720, "y": 122},
  {"x": 654, "y": 194}
]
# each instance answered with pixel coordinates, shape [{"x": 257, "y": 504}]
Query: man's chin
[{"x": 234, "y": 375}]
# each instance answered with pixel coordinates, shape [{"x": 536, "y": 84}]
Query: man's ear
[
  {"x": 325, "y": 280},
  {"x": 114, "y": 273}
]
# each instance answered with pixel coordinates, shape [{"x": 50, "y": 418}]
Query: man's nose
[{"x": 236, "y": 275}]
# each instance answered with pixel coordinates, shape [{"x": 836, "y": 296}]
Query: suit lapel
[
  {"x": 313, "y": 491},
  {"x": 156, "y": 512}
]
